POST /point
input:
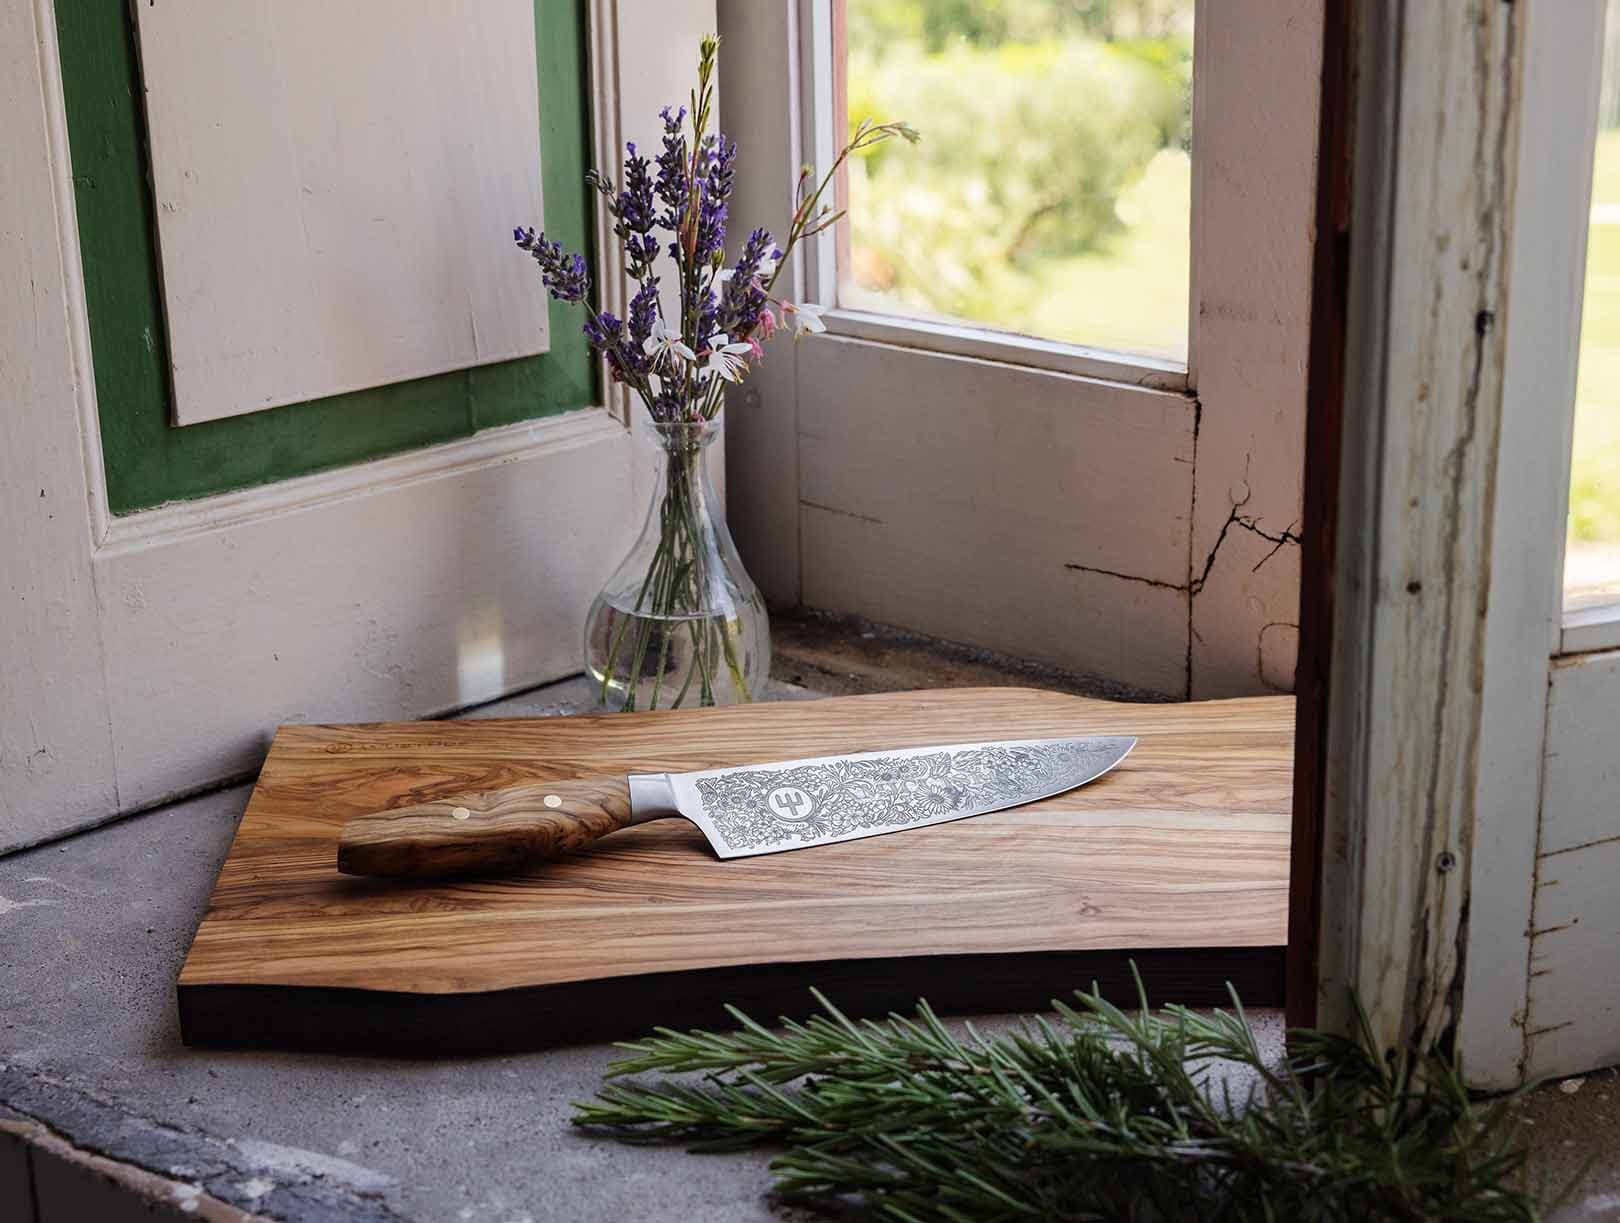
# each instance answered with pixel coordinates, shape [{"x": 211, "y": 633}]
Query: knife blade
[{"x": 745, "y": 810}]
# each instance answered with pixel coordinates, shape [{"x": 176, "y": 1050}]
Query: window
[
  {"x": 1101, "y": 463},
  {"x": 1592, "y": 550},
  {"x": 1051, "y": 193}
]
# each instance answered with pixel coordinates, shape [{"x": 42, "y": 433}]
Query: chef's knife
[{"x": 751, "y": 809}]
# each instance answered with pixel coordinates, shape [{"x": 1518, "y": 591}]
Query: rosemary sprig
[{"x": 1100, "y": 1114}]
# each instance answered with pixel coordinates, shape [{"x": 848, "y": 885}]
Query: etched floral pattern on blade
[{"x": 822, "y": 801}]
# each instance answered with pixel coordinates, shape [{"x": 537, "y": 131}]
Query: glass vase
[{"x": 680, "y": 623}]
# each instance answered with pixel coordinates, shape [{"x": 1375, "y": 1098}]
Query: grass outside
[{"x": 1051, "y": 192}]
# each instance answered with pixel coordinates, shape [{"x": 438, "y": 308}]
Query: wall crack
[
  {"x": 1126, "y": 577},
  {"x": 1244, "y": 522},
  {"x": 814, "y": 505}
]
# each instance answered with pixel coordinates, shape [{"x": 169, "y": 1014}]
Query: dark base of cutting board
[
  {"x": 512, "y": 1020},
  {"x": 1176, "y": 861}
]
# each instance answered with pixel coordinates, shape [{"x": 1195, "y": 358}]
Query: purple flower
[
  {"x": 605, "y": 334},
  {"x": 633, "y": 211},
  {"x": 716, "y": 170},
  {"x": 565, "y": 275},
  {"x": 744, "y": 296},
  {"x": 643, "y": 313},
  {"x": 604, "y": 331},
  {"x": 667, "y": 405},
  {"x": 719, "y": 317},
  {"x": 672, "y": 186}
]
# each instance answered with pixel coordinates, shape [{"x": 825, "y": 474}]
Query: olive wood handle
[{"x": 488, "y": 833}]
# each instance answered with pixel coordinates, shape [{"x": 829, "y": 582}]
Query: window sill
[{"x": 985, "y": 343}]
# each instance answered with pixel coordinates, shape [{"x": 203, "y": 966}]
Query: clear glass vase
[{"x": 680, "y": 623}]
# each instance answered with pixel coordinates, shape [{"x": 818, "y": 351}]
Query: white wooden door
[{"x": 151, "y": 653}]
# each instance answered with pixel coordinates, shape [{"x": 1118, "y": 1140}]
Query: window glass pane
[
  {"x": 1592, "y": 551},
  {"x": 1050, "y": 194}
]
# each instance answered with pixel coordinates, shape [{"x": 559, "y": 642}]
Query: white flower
[
  {"x": 662, "y": 344},
  {"x": 727, "y": 360},
  {"x": 806, "y": 318},
  {"x": 656, "y": 384},
  {"x": 762, "y": 274}
]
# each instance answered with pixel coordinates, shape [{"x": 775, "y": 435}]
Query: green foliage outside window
[{"x": 1053, "y": 132}]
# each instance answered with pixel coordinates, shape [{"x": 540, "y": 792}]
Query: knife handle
[{"x": 486, "y": 833}]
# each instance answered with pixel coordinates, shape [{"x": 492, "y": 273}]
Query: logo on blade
[{"x": 790, "y": 803}]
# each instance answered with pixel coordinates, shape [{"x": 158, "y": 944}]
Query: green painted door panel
[{"x": 148, "y": 459}]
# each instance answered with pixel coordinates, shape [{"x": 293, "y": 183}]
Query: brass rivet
[
  {"x": 460, "y": 813},
  {"x": 552, "y": 801}
]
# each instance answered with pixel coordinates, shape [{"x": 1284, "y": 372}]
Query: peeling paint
[
  {"x": 1436, "y": 988},
  {"x": 1417, "y": 506}
]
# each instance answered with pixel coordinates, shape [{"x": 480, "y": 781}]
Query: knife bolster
[
  {"x": 485, "y": 833},
  {"x": 652, "y": 797}
]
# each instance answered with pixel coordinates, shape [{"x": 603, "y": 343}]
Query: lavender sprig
[
  {"x": 644, "y": 311},
  {"x": 745, "y": 295},
  {"x": 565, "y": 275},
  {"x": 604, "y": 332},
  {"x": 673, "y": 186},
  {"x": 633, "y": 211},
  {"x": 716, "y": 164},
  {"x": 680, "y": 369}
]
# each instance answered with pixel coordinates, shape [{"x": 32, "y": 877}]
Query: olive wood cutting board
[{"x": 1176, "y": 860}]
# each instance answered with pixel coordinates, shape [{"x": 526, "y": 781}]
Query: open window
[
  {"x": 1591, "y": 569},
  {"x": 1065, "y": 357},
  {"x": 1046, "y": 218}
]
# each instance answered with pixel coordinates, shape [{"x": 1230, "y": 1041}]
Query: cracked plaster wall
[{"x": 1254, "y": 201}]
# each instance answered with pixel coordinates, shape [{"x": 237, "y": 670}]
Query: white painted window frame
[
  {"x": 1589, "y": 623},
  {"x": 1188, "y": 586},
  {"x": 821, "y": 124}
]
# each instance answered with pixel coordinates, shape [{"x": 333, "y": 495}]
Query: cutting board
[{"x": 1176, "y": 861}]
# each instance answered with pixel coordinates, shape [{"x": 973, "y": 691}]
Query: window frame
[
  {"x": 1590, "y": 623},
  {"x": 1587, "y": 623},
  {"x": 821, "y": 56},
  {"x": 1460, "y": 763}
]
